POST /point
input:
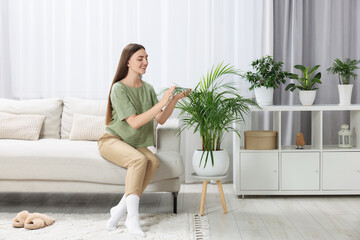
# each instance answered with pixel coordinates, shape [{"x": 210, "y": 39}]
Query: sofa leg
[{"x": 175, "y": 201}]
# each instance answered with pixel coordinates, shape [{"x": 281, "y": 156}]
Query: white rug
[{"x": 92, "y": 226}]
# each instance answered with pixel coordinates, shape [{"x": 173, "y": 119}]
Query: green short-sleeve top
[{"x": 125, "y": 102}]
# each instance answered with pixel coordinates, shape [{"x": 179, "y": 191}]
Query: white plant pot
[
  {"x": 307, "y": 98},
  {"x": 221, "y": 163},
  {"x": 264, "y": 96},
  {"x": 345, "y": 92}
]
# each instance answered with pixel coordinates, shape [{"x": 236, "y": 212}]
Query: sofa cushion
[
  {"x": 20, "y": 126},
  {"x": 65, "y": 160},
  {"x": 79, "y": 106},
  {"x": 86, "y": 127},
  {"x": 50, "y": 107}
]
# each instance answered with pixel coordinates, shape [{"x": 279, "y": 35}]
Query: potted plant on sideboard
[
  {"x": 306, "y": 84},
  {"x": 268, "y": 75},
  {"x": 211, "y": 108},
  {"x": 345, "y": 71}
]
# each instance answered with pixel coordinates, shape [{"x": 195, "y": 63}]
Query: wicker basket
[{"x": 260, "y": 140}]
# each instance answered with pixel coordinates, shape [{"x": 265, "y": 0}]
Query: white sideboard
[{"x": 317, "y": 169}]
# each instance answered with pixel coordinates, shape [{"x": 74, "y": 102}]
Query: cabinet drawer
[
  {"x": 259, "y": 171},
  {"x": 341, "y": 171},
  {"x": 300, "y": 171}
]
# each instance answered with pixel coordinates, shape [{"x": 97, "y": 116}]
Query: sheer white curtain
[
  {"x": 72, "y": 47},
  {"x": 59, "y": 48}
]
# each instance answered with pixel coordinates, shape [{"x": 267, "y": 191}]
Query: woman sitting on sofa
[{"x": 132, "y": 106}]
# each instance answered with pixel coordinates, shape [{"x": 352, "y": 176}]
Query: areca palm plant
[
  {"x": 211, "y": 108},
  {"x": 345, "y": 69}
]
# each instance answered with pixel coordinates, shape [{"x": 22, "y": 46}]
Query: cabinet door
[
  {"x": 300, "y": 171},
  {"x": 259, "y": 171},
  {"x": 341, "y": 171}
]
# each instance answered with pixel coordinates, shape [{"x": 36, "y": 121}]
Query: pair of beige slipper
[{"x": 31, "y": 220}]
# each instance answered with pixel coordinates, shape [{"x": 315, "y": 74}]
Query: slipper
[
  {"x": 18, "y": 221},
  {"x": 37, "y": 220}
]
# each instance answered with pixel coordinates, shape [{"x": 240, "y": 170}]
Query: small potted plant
[
  {"x": 306, "y": 84},
  {"x": 268, "y": 75},
  {"x": 211, "y": 108},
  {"x": 345, "y": 71}
]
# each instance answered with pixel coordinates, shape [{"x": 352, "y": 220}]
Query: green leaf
[
  {"x": 300, "y": 67},
  {"x": 291, "y": 85},
  {"x": 318, "y": 75},
  {"x": 316, "y": 80},
  {"x": 314, "y": 69}
]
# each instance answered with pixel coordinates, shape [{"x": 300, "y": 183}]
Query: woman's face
[{"x": 138, "y": 62}]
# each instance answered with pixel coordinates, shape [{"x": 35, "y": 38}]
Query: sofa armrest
[{"x": 166, "y": 138}]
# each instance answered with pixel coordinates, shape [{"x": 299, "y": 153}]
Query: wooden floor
[{"x": 261, "y": 217}]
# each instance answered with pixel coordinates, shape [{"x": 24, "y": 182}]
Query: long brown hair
[{"x": 121, "y": 72}]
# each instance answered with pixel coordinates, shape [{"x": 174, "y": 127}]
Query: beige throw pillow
[
  {"x": 79, "y": 106},
  {"x": 51, "y": 108},
  {"x": 20, "y": 126},
  {"x": 87, "y": 127}
]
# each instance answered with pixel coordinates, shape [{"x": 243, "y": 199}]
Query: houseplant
[
  {"x": 211, "y": 108},
  {"x": 345, "y": 71},
  {"x": 306, "y": 84},
  {"x": 268, "y": 75}
]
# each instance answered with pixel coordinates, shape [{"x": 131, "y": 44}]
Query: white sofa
[{"x": 55, "y": 163}]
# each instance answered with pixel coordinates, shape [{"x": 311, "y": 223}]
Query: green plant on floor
[
  {"x": 211, "y": 108},
  {"x": 268, "y": 73},
  {"x": 306, "y": 82},
  {"x": 345, "y": 70}
]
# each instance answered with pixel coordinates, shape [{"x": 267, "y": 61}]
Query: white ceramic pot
[
  {"x": 264, "y": 96},
  {"x": 221, "y": 163},
  {"x": 307, "y": 98},
  {"x": 345, "y": 92}
]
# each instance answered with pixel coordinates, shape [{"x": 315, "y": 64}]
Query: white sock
[
  {"x": 116, "y": 213},
  {"x": 132, "y": 220}
]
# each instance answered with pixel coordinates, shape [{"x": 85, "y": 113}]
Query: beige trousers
[{"x": 141, "y": 163}]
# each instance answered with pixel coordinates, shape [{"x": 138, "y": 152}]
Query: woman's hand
[
  {"x": 182, "y": 94},
  {"x": 162, "y": 116},
  {"x": 166, "y": 97}
]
